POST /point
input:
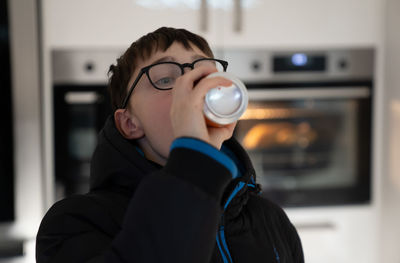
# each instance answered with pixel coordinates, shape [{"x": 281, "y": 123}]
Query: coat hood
[{"x": 116, "y": 162}]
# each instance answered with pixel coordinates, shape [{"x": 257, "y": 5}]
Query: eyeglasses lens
[
  {"x": 163, "y": 76},
  {"x": 209, "y": 63}
]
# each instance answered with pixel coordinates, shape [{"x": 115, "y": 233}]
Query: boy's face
[{"x": 149, "y": 108}]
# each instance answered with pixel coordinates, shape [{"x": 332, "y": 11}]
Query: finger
[
  {"x": 231, "y": 126},
  {"x": 219, "y": 135},
  {"x": 228, "y": 128}
]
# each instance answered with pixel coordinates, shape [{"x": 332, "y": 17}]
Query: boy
[{"x": 165, "y": 187}]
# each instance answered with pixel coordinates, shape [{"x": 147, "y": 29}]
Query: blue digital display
[
  {"x": 299, "y": 62},
  {"x": 299, "y": 59}
]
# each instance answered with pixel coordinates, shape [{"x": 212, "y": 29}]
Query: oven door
[
  {"x": 79, "y": 114},
  {"x": 310, "y": 146}
]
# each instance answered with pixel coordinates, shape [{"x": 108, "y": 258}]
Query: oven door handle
[
  {"x": 81, "y": 97},
  {"x": 309, "y": 93}
]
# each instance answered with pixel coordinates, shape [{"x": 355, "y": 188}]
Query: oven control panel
[{"x": 300, "y": 65}]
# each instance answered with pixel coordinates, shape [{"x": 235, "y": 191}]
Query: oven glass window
[
  {"x": 80, "y": 113},
  {"x": 303, "y": 145}
]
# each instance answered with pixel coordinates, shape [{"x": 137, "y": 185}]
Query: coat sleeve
[{"x": 172, "y": 217}]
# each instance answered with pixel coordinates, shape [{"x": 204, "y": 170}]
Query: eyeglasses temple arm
[{"x": 124, "y": 104}]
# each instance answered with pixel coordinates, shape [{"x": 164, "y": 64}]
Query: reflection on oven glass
[
  {"x": 301, "y": 144},
  {"x": 283, "y": 134},
  {"x": 82, "y": 142}
]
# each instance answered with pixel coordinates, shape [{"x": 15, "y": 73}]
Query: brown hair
[{"x": 143, "y": 48}]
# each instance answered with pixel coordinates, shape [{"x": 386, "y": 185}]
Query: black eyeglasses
[{"x": 163, "y": 75}]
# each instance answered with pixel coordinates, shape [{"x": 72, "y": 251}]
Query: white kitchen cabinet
[
  {"x": 117, "y": 23},
  {"x": 305, "y": 23},
  {"x": 273, "y": 23},
  {"x": 337, "y": 234}
]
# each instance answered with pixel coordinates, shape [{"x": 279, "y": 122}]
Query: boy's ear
[{"x": 127, "y": 124}]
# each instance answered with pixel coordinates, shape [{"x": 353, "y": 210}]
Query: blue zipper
[
  {"x": 221, "y": 241},
  {"x": 223, "y": 248},
  {"x": 224, "y": 244}
]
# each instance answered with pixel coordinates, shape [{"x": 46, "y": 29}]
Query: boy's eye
[{"x": 165, "y": 82}]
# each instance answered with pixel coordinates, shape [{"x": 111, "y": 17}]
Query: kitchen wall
[{"x": 390, "y": 211}]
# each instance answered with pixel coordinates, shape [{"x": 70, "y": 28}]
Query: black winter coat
[{"x": 138, "y": 211}]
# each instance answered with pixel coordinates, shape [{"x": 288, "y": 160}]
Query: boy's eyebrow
[
  {"x": 164, "y": 59},
  {"x": 194, "y": 57},
  {"x": 169, "y": 58}
]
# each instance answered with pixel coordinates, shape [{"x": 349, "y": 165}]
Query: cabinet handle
[
  {"x": 309, "y": 93},
  {"x": 237, "y": 10},
  {"x": 316, "y": 226},
  {"x": 203, "y": 16}
]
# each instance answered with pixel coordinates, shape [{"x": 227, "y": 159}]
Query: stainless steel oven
[{"x": 308, "y": 125}]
